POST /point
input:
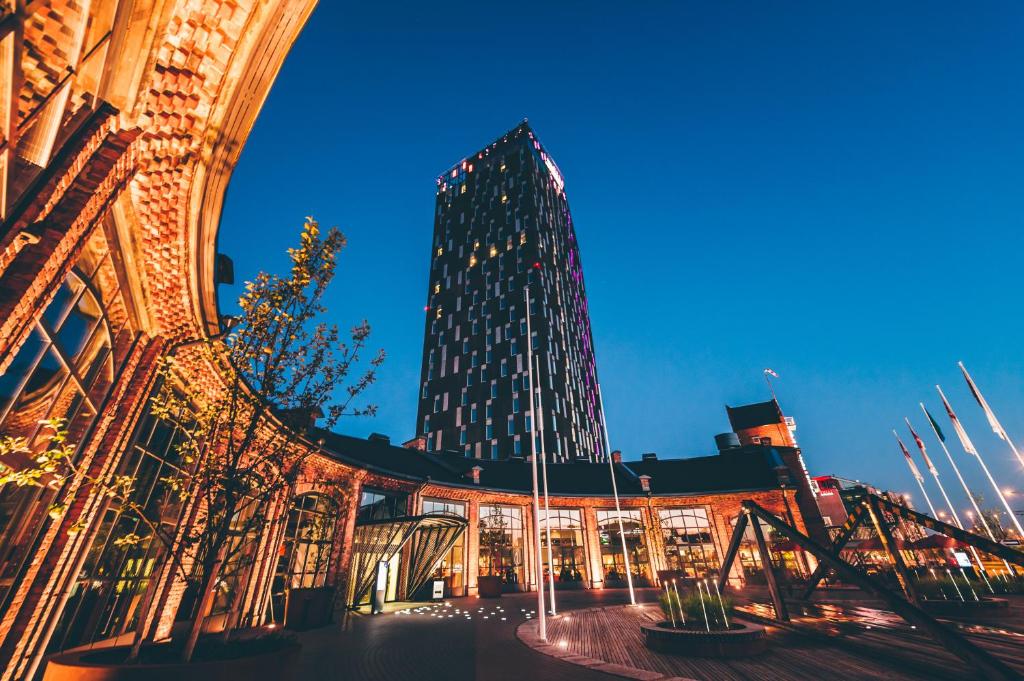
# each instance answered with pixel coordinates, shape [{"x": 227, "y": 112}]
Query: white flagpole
[
  {"x": 969, "y": 447},
  {"x": 541, "y": 614},
  {"x": 952, "y": 508},
  {"x": 539, "y": 428},
  {"x": 615, "y": 493},
  {"x": 997, "y": 427},
  {"x": 974, "y": 503},
  {"x": 935, "y": 476},
  {"x": 916, "y": 473}
]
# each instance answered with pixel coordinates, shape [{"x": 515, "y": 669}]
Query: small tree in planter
[
  {"x": 282, "y": 366},
  {"x": 244, "y": 448}
]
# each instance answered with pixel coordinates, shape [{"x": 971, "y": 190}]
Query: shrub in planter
[
  {"x": 697, "y": 611},
  {"x": 267, "y": 657}
]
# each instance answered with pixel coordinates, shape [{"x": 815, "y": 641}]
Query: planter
[
  {"x": 309, "y": 608},
  {"x": 95, "y": 665},
  {"x": 985, "y": 607},
  {"x": 489, "y": 586},
  {"x": 638, "y": 583},
  {"x": 568, "y": 586},
  {"x": 743, "y": 640}
]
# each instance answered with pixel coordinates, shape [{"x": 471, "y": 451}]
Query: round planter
[
  {"x": 985, "y": 607},
  {"x": 743, "y": 640},
  {"x": 90, "y": 665},
  {"x": 489, "y": 586}
]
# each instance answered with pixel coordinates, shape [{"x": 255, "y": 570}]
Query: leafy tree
[{"x": 245, "y": 444}]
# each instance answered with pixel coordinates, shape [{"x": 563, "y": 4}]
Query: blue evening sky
[{"x": 832, "y": 190}]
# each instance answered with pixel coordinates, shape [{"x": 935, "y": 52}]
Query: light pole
[
  {"x": 541, "y": 614},
  {"x": 539, "y": 429},
  {"x": 615, "y": 493}
]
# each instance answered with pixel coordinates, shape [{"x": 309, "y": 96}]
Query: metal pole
[
  {"x": 539, "y": 428},
  {"x": 969, "y": 448},
  {"x": 902, "y": 573},
  {"x": 781, "y": 613},
  {"x": 615, "y": 493},
  {"x": 952, "y": 509},
  {"x": 541, "y": 614},
  {"x": 991, "y": 415}
]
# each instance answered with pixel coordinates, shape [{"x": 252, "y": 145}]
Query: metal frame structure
[
  {"x": 983, "y": 661},
  {"x": 433, "y": 535}
]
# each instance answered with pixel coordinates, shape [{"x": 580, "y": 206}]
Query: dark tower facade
[{"x": 502, "y": 227}]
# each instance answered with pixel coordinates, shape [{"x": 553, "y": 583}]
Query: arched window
[
  {"x": 64, "y": 370},
  {"x": 306, "y": 547},
  {"x": 689, "y": 543}
]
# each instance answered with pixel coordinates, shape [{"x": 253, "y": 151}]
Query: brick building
[{"x": 120, "y": 126}]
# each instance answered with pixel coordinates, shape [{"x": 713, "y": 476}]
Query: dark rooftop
[
  {"x": 753, "y": 415},
  {"x": 741, "y": 469}
]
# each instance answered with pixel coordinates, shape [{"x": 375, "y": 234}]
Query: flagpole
[
  {"x": 991, "y": 416},
  {"x": 539, "y": 428},
  {"x": 541, "y": 614},
  {"x": 963, "y": 483},
  {"x": 934, "y": 472},
  {"x": 916, "y": 473},
  {"x": 767, "y": 374},
  {"x": 615, "y": 493},
  {"x": 969, "y": 447},
  {"x": 952, "y": 508}
]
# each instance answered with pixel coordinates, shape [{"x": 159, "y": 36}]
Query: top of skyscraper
[{"x": 454, "y": 176}]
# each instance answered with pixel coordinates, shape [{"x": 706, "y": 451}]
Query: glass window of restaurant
[
  {"x": 382, "y": 505},
  {"x": 567, "y": 551},
  {"x": 451, "y": 567},
  {"x": 611, "y": 545},
  {"x": 501, "y": 545},
  {"x": 306, "y": 546},
  {"x": 105, "y": 596},
  {"x": 63, "y": 371},
  {"x": 689, "y": 545},
  {"x": 785, "y": 558}
]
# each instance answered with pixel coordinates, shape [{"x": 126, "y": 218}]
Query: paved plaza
[{"x": 471, "y": 638}]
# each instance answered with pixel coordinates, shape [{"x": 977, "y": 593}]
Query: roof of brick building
[{"x": 740, "y": 469}]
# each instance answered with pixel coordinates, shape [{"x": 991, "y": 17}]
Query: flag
[
  {"x": 771, "y": 372},
  {"x": 935, "y": 425},
  {"x": 920, "y": 445},
  {"x": 957, "y": 426},
  {"x": 910, "y": 461},
  {"x": 997, "y": 428}
]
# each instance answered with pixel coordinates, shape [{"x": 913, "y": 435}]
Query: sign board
[
  {"x": 438, "y": 591},
  {"x": 962, "y": 559}
]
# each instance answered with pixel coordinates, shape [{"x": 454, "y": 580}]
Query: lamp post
[
  {"x": 541, "y": 614},
  {"x": 539, "y": 429},
  {"x": 615, "y": 493}
]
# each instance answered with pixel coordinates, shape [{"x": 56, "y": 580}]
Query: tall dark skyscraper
[{"x": 502, "y": 223}]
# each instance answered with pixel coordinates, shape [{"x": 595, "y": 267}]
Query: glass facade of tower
[{"x": 502, "y": 227}]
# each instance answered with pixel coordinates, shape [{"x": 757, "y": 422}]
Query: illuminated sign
[{"x": 555, "y": 174}]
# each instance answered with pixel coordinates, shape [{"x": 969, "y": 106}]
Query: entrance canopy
[{"x": 429, "y": 537}]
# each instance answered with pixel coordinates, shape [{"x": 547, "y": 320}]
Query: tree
[{"x": 246, "y": 441}]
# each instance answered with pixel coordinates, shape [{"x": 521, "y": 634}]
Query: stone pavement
[{"x": 471, "y": 638}]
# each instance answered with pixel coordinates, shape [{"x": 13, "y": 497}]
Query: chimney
[
  {"x": 419, "y": 442},
  {"x": 474, "y": 473},
  {"x": 616, "y": 456},
  {"x": 645, "y": 483}
]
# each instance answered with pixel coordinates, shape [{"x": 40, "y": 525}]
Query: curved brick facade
[{"x": 125, "y": 124}]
